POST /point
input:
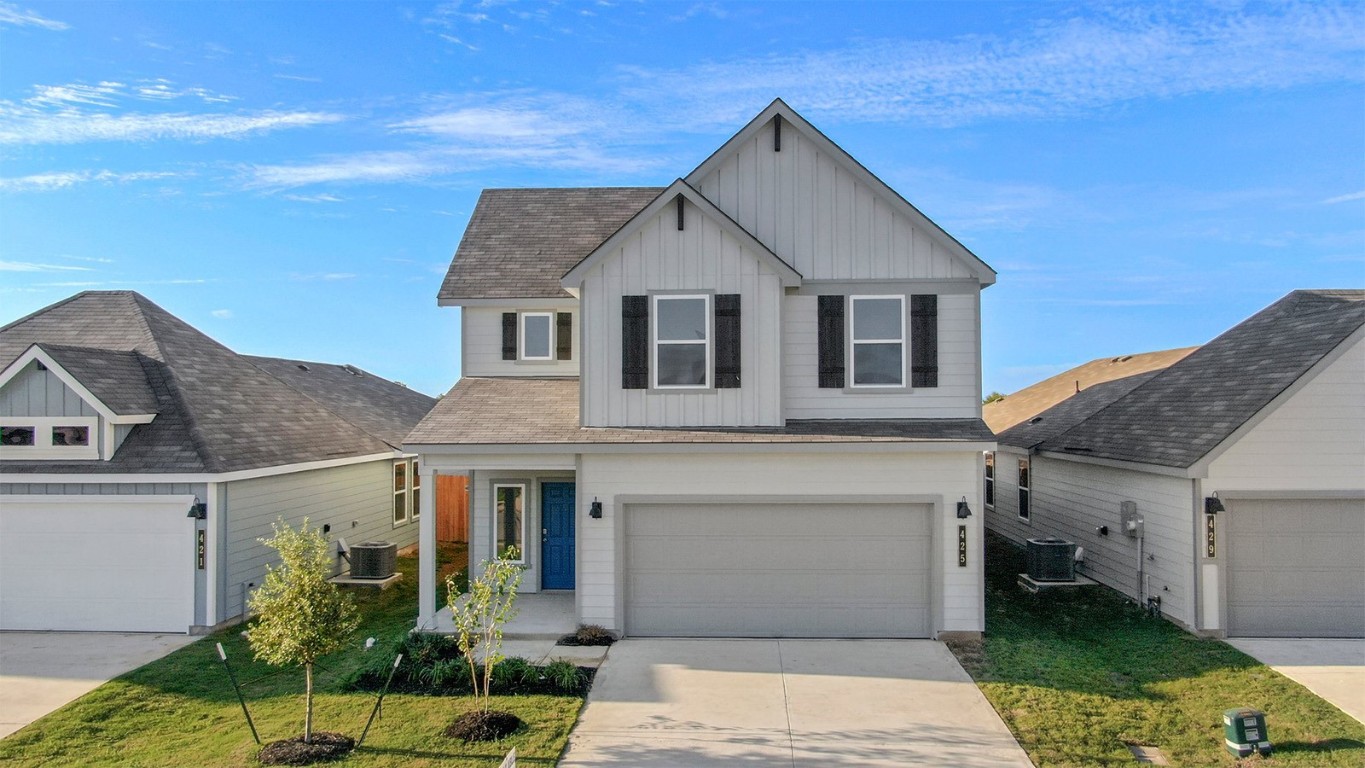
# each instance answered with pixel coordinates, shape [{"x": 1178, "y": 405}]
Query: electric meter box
[{"x": 1244, "y": 732}]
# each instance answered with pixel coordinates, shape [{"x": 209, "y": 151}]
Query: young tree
[
  {"x": 301, "y": 616},
  {"x": 480, "y": 615}
]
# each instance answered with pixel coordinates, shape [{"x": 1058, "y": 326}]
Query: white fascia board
[
  {"x": 785, "y": 272},
  {"x": 1135, "y": 466},
  {"x": 525, "y": 303},
  {"x": 922, "y": 446},
  {"x": 102, "y": 499},
  {"x": 981, "y": 269},
  {"x": 194, "y": 477}
]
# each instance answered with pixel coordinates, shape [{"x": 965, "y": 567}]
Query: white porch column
[{"x": 426, "y": 549}]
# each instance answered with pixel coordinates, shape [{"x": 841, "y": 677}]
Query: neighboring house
[
  {"x": 140, "y": 462},
  {"x": 1269, "y": 418},
  {"x": 747, "y": 404}
]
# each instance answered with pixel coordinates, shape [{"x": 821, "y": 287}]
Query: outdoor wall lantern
[
  {"x": 963, "y": 511},
  {"x": 595, "y": 509},
  {"x": 198, "y": 510},
  {"x": 1213, "y": 505}
]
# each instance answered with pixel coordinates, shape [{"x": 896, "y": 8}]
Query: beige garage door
[
  {"x": 1296, "y": 568},
  {"x": 775, "y": 570}
]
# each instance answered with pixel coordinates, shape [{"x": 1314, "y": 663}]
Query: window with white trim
[
  {"x": 682, "y": 341},
  {"x": 1024, "y": 511},
  {"x": 49, "y": 437},
  {"x": 990, "y": 480},
  {"x": 400, "y": 492},
  {"x": 416, "y": 493},
  {"x": 877, "y": 341},
  {"x": 537, "y": 335},
  {"x": 509, "y": 521}
]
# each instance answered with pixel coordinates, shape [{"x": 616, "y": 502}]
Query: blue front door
[{"x": 557, "y": 541}]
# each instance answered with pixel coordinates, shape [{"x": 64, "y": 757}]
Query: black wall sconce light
[
  {"x": 198, "y": 510},
  {"x": 963, "y": 511},
  {"x": 595, "y": 509},
  {"x": 1213, "y": 505}
]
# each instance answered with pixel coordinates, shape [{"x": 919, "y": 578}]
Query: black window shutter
[
  {"x": 509, "y": 335},
  {"x": 924, "y": 341},
  {"x": 634, "y": 342},
  {"x": 727, "y": 341},
  {"x": 564, "y": 336},
  {"x": 830, "y": 339}
]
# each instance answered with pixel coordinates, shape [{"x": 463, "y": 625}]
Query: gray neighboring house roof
[
  {"x": 217, "y": 411},
  {"x": 544, "y": 411},
  {"x": 519, "y": 242},
  {"x": 1178, "y": 415}
]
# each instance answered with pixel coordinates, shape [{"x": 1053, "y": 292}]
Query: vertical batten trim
[{"x": 681, "y": 203}]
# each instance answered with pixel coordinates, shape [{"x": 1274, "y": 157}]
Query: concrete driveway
[
  {"x": 698, "y": 703},
  {"x": 1333, "y": 669},
  {"x": 41, "y": 671}
]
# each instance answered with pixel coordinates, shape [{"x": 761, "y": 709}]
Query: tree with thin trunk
[
  {"x": 301, "y": 616},
  {"x": 480, "y": 615}
]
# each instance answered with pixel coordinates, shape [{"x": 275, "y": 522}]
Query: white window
[
  {"x": 878, "y": 341},
  {"x": 49, "y": 437},
  {"x": 537, "y": 336},
  {"x": 400, "y": 492},
  {"x": 1024, "y": 510},
  {"x": 990, "y": 480},
  {"x": 509, "y": 520},
  {"x": 682, "y": 342},
  {"x": 416, "y": 490}
]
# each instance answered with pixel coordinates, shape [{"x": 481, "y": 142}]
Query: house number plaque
[
  {"x": 1210, "y": 536},
  {"x": 200, "y": 548},
  {"x": 962, "y": 546}
]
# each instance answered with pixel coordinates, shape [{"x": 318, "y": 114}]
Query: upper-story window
[
  {"x": 537, "y": 330},
  {"x": 48, "y": 437},
  {"x": 878, "y": 341},
  {"x": 537, "y": 336},
  {"x": 682, "y": 341}
]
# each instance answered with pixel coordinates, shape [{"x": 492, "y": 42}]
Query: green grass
[
  {"x": 181, "y": 710},
  {"x": 1076, "y": 674}
]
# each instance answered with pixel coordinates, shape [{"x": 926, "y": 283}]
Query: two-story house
[{"x": 746, "y": 404}]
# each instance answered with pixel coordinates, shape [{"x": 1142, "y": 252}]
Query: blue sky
[{"x": 292, "y": 178}]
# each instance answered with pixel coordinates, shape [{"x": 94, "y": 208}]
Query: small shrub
[
  {"x": 589, "y": 634},
  {"x": 511, "y": 674},
  {"x": 432, "y": 664},
  {"x": 564, "y": 675}
]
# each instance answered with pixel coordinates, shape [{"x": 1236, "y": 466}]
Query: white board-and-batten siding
[
  {"x": 482, "y": 344},
  {"x": 41, "y": 393},
  {"x": 362, "y": 493},
  {"x": 1314, "y": 441},
  {"x": 702, "y": 257},
  {"x": 1072, "y": 500},
  {"x": 957, "y": 599},
  {"x": 821, "y": 218}
]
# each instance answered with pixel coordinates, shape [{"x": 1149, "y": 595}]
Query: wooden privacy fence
[{"x": 452, "y": 508}]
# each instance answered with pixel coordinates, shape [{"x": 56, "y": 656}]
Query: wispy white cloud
[
  {"x": 48, "y": 182},
  {"x": 222, "y": 314},
  {"x": 1344, "y": 198},
  {"x": 23, "y": 17},
  {"x": 162, "y": 89},
  {"x": 319, "y": 198},
  {"x": 28, "y": 266},
  {"x": 299, "y": 78}
]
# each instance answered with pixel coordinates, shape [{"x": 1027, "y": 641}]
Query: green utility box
[{"x": 1244, "y": 732}]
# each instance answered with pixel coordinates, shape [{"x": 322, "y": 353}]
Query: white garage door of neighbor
[
  {"x": 1296, "y": 568},
  {"x": 777, "y": 570},
  {"x": 90, "y": 563}
]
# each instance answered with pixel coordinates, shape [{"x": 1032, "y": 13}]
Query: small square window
[
  {"x": 71, "y": 435},
  {"x": 17, "y": 435}
]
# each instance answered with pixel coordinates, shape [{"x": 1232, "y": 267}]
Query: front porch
[{"x": 540, "y": 616}]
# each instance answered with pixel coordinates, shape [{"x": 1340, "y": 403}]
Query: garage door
[
  {"x": 759, "y": 570},
  {"x": 1296, "y": 568},
  {"x": 120, "y": 564}
]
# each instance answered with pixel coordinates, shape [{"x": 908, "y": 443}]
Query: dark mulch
[
  {"x": 483, "y": 726},
  {"x": 590, "y": 634},
  {"x": 326, "y": 746}
]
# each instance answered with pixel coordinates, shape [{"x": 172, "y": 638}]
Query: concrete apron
[
  {"x": 1334, "y": 669},
  {"x": 698, "y": 703},
  {"x": 41, "y": 671}
]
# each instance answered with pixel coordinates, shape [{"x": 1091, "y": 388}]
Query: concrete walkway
[
  {"x": 41, "y": 671},
  {"x": 1333, "y": 669},
  {"x": 698, "y": 703}
]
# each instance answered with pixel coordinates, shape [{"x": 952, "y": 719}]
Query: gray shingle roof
[
  {"x": 116, "y": 378},
  {"x": 1180, "y": 414},
  {"x": 217, "y": 411},
  {"x": 519, "y": 242},
  {"x": 531, "y": 411},
  {"x": 1070, "y": 412}
]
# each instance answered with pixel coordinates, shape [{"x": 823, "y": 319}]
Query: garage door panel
[
  {"x": 778, "y": 571},
  {"x": 1296, "y": 568},
  {"x": 92, "y": 563}
]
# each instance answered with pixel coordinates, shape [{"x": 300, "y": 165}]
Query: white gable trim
[
  {"x": 194, "y": 477},
  {"x": 573, "y": 279},
  {"x": 983, "y": 271},
  {"x": 35, "y": 352}
]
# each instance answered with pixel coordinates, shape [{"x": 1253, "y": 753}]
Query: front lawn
[
  {"x": 1078, "y": 674},
  {"x": 181, "y": 710}
]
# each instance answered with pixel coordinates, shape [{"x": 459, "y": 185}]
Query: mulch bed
[
  {"x": 325, "y": 746},
  {"x": 483, "y": 726}
]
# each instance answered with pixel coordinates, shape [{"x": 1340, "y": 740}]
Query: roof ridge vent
[
  {"x": 302, "y": 367},
  {"x": 351, "y": 369}
]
